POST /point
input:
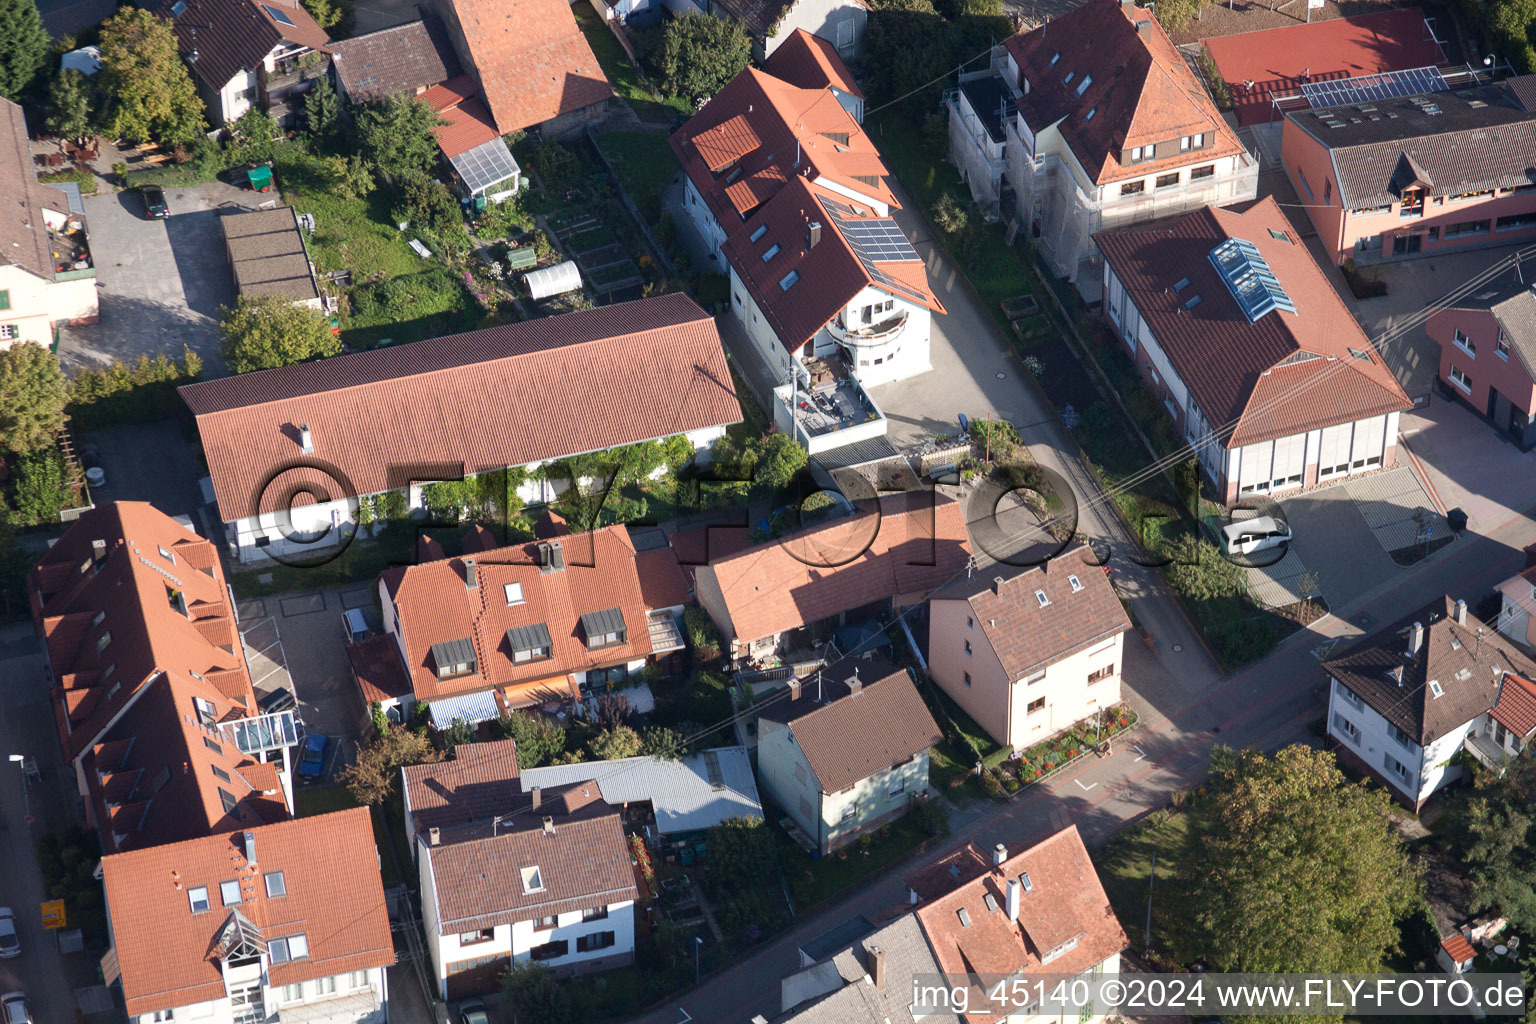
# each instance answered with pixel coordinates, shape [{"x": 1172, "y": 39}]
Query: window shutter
[{"x": 1369, "y": 435}]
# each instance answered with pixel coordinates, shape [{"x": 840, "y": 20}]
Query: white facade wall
[
  {"x": 837, "y": 21},
  {"x": 328, "y": 1000},
  {"x": 1362, "y": 730},
  {"x": 36, "y": 305}
]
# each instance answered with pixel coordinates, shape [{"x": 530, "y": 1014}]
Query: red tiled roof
[
  {"x": 1025, "y": 635},
  {"x": 434, "y": 605},
  {"x": 663, "y": 583},
  {"x": 948, "y": 872},
  {"x": 377, "y": 668},
  {"x": 903, "y": 551},
  {"x": 23, "y": 198},
  {"x": 450, "y": 93},
  {"x": 757, "y": 153},
  {"x": 810, "y": 62},
  {"x": 583, "y": 862},
  {"x": 479, "y": 782},
  {"x": 468, "y": 125},
  {"x": 403, "y": 58},
  {"x": 627, "y": 372},
  {"x": 529, "y": 56},
  {"x": 1232, "y": 367},
  {"x": 1142, "y": 92},
  {"x": 231, "y": 36},
  {"x": 1458, "y": 947},
  {"x": 1516, "y": 706},
  {"x": 166, "y": 953},
  {"x": 1065, "y": 901}
]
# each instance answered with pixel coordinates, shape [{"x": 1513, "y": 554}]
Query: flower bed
[{"x": 1044, "y": 759}]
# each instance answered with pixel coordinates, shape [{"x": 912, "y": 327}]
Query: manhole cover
[
  {"x": 1002, "y": 376},
  {"x": 1177, "y": 648},
  {"x": 1362, "y": 619}
]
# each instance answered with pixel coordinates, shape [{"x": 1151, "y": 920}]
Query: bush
[
  {"x": 613, "y": 744},
  {"x": 85, "y": 179},
  {"x": 1219, "y": 91},
  {"x": 267, "y": 332},
  {"x": 556, "y": 165},
  {"x": 39, "y": 488},
  {"x": 535, "y": 996},
  {"x": 932, "y": 816},
  {"x": 702, "y": 635},
  {"x": 700, "y": 54},
  {"x": 1362, "y": 284},
  {"x": 142, "y": 393},
  {"x": 539, "y": 740}
]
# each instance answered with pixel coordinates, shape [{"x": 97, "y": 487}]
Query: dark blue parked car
[{"x": 312, "y": 764}]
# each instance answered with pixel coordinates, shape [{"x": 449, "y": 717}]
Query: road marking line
[
  {"x": 1138, "y": 750},
  {"x": 1087, "y": 787}
]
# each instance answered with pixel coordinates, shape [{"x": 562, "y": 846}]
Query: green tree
[
  {"x": 778, "y": 458},
  {"x": 612, "y": 744},
  {"x": 372, "y": 777},
  {"x": 260, "y": 333},
  {"x": 948, "y": 215},
  {"x": 39, "y": 488},
  {"x": 1176, "y": 15},
  {"x": 1500, "y": 830},
  {"x": 1298, "y": 868},
  {"x": 254, "y": 136},
  {"x": 68, "y": 110},
  {"x": 322, "y": 114},
  {"x": 458, "y": 732},
  {"x": 33, "y": 393},
  {"x": 150, "y": 95},
  {"x": 1511, "y": 30},
  {"x": 25, "y": 49},
  {"x": 663, "y": 742},
  {"x": 428, "y": 204},
  {"x": 396, "y": 135},
  {"x": 700, "y": 54},
  {"x": 740, "y": 853},
  {"x": 535, "y": 995},
  {"x": 539, "y": 741},
  {"x": 328, "y": 14}
]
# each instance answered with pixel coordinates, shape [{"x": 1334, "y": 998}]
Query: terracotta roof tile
[
  {"x": 1065, "y": 902},
  {"x": 1458, "y": 947},
  {"x": 334, "y": 897},
  {"x": 231, "y": 36},
  {"x": 627, "y": 372},
  {"x": 582, "y": 862},
  {"x": 434, "y": 605},
  {"x": 378, "y": 670},
  {"x": 1142, "y": 91},
  {"x": 901, "y": 551},
  {"x": 1025, "y": 635},
  {"x": 846, "y": 735},
  {"x": 1516, "y": 706},
  {"x": 810, "y": 62},
  {"x": 479, "y": 783},
  {"x": 530, "y": 58},
  {"x": 468, "y": 125},
  {"x": 663, "y": 583},
  {"x": 1231, "y": 366},
  {"x": 404, "y": 58},
  {"x": 726, "y": 142},
  {"x": 948, "y": 872},
  {"x": 1466, "y": 666}
]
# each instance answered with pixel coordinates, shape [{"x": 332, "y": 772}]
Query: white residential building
[
  {"x": 284, "y": 922},
  {"x": 1406, "y": 699},
  {"x": 1091, "y": 123}
]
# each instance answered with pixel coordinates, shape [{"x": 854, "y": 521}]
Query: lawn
[
  {"x": 624, "y": 77},
  {"x": 396, "y": 294},
  {"x": 644, "y": 163},
  {"x": 817, "y": 881},
  {"x": 1125, "y": 866},
  {"x": 309, "y": 802}
]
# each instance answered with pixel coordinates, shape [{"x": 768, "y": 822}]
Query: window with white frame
[
  {"x": 1402, "y": 738},
  {"x": 533, "y": 880},
  {"x": 197, "y": 898},
  {"x": 1394, "y": 767},
  {"x": 1465, "y": 343},
  {"x": 1502, "y": 351},
  {"x": 850, "y": 812},
  {"x": 1346, "y": 728},
  {"x": 514, "y": 592},
  {"x": 357, "y": 979},
  {"x": 325, "y": 986},
  {"x": 229, "y": 892},
  {"x": 289, "y": 947},
  {"x": 1460, "y": 378},
  {"x": 293, "y": 993},
  {"x": 1350, "y": 697},
  {"x": 276, "y": 886},
  {"x": 160, "y": 1016}
]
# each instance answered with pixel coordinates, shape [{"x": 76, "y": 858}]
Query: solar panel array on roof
[
  {"x": 1373, "y": 87},
  {"x": 489, "y": 163},
  {"x": 1249, "y": 279},
  {"x": 875, "y": 240}
]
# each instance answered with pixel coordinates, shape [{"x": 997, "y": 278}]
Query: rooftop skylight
[{"x": 1247, "y": 276}]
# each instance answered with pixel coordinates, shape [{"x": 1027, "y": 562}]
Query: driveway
[
  {"x": 154, "y": 462},
  {"x": 161, "y": 282},
  {"x": 54, "y": 983},
  {"x": 1470, "y": 465},
  {"x": 1332, "y": 539}
]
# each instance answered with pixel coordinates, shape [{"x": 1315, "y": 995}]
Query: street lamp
[{"x": 26, "y": 799}]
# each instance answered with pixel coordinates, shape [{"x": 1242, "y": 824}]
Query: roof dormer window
[
  {"x": 1055, "y": 57},
  {"x": 454, "y": 658},
  {"x": 1068, "y": 79},
  {"x": 1084, "y": 84}
]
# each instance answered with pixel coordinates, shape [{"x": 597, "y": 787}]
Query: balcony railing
[
  {"x": 876, "y": 334},
  {"x": 291, "y": 74}
]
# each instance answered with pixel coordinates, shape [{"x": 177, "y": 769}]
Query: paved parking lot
[
  {"x": 161, "y": 283},
  {"x": 1333, "y": 538},
  {"x": 1471, "y": 466}
]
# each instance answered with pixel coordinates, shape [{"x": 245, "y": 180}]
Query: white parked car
[
  {"x": 1246, "y": 536},
  {"x": 14, "y": 1005},
  {"x": 10, "y": 942}
]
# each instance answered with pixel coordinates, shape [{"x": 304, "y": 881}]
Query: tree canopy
[
  {"x": 1298, "y": 868},
  {"x": 535, "y": 995},
  {"x": 33, "y": 393},
  {"x": 396, "y": 135},
  {"x": 700, "y": 54},
  {"x": 149, "y": 90},
  {"x": 322, "y": 113},
  {"x": 372, "y": 778},
  {"x": 68, "y": 110},
  {"x": 612, "y": 744},
  {"x": 261, "y": 333},
  {"x": 539, "y": 741},
  {"x": 25, "y": 49},
  {"x": 1500, "y": 830}
]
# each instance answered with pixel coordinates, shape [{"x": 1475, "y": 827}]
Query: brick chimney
[{"x": 877, "y": 966}]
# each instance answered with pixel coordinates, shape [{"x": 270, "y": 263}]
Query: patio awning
[
  {"x": 471, "y": 708},
  {"x": 665, "y": 634},
  {"x": 538, "y": 691}
]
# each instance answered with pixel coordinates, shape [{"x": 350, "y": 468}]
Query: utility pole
[{"x": 1152, "y": 877}]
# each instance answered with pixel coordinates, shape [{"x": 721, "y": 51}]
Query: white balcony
[{"x": 871, "y": 336}]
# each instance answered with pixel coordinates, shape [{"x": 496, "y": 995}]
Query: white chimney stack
[
  {"x": 1415, "y": 639},
  {"x": 999, "y": 854},
  {"x": 306, "y": 440},
  {"x": 1461, "y": 613},
  {"x": 1013, "y": 900},
  {"x": 434, "y": 837}
]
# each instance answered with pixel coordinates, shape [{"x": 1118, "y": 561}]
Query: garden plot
[{"x": 604, "y": 263}]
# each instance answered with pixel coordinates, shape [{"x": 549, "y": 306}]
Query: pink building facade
[{"x": 1488, "y": 356}]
